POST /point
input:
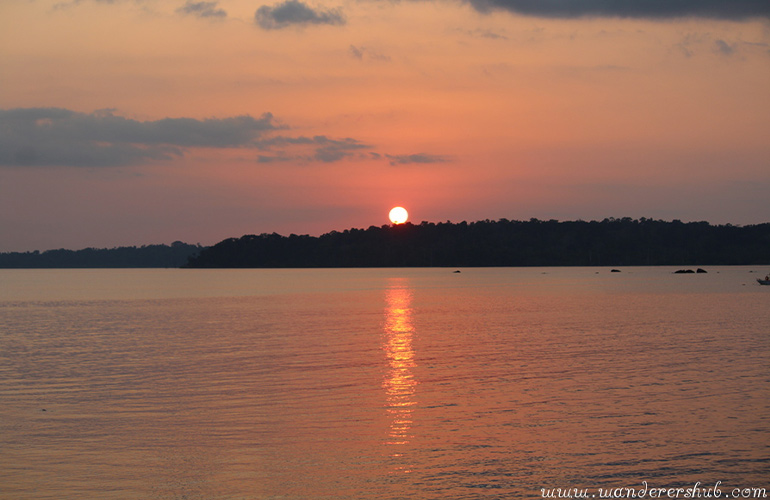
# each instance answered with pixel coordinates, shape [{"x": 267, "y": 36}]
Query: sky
[{"x": 135, "y": 122}]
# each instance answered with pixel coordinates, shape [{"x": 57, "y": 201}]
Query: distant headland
[
  {"x": 175, "y": 255},
  {"x": 610, "y": 242}
]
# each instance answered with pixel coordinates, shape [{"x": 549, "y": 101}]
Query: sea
[{"x": 384, "y": 384}]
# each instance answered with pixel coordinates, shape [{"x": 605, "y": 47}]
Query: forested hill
[
  {"x": 174, "y": 255},
  {"x": 611, "y": 242}
]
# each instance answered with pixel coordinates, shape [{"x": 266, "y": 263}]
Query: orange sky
[{"x": 454, "y": 113}]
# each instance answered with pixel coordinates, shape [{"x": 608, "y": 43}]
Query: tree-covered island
[{"x": 611, "y": 242}]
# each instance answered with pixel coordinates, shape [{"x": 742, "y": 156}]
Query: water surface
[{"x": 380, "y": 383}]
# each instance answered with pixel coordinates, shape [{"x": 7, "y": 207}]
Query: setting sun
[{"x": 398, "y": 215}]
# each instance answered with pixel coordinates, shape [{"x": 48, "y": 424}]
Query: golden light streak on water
[{"x": 399, "y": 382}]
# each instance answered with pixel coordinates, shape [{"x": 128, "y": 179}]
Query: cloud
[
  {"x": 62, "y": 137},
  {"x": 488, "y": 34},
  {"x": 321, "y": 148},
  {"x": 56, "y": 136},
  {"x": 717, "y": 9},
  {"x": 724, "y": 48},
  {"x": 692, "y": 44},
  {"x": 202, "y": 9},
  {"x": 294, "y": 12},
  {"x": 74, "y": 3},
  {"x": 365, "y": 53},
  {"x": 415, "y": 158},
  {"x": 357, "y": 52},
  {"x": 324, "y": 149},
  {"x": 273, "y": 159}
]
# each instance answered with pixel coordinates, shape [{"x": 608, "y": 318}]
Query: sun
[{"x": 398, "y": 215}]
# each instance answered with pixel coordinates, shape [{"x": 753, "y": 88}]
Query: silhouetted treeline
[
  {"x": 611, "y": 242},
  {"x": 175, "y": 255}
]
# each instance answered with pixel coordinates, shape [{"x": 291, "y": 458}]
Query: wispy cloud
[
  {"x": 72, "y": 3},
  {"x": 317, "y": 148},
  {"x": 367, "y": 54},
  {"x": 724, "y": 48},
  {"x": 202, "y": 9},
  {"x": 717, "y": 9},
  {"x": 415, "y": 158},
  {"x": 485, "y": 33},
  {"x": 699, "y": 43},
  {"x": 296, "y": 13}
]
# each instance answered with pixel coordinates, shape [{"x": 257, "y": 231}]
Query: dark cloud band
[
  {"x": 56, "y": 136},
  {"x": 61, "y": 137},
  {"x": 718, "y": 9}
]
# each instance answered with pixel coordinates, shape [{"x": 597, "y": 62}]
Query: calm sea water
[{"x": 381, "y": 383}]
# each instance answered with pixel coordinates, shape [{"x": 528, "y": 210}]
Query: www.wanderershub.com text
[{"x": 697, "y": 490}]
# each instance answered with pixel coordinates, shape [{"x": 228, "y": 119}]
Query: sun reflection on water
[{"x": 399, "y": 382}]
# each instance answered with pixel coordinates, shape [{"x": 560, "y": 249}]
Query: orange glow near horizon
[{"x": 399, "y": 382}]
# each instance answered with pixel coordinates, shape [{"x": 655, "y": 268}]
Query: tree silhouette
[{"x": 611, "y": 242}]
